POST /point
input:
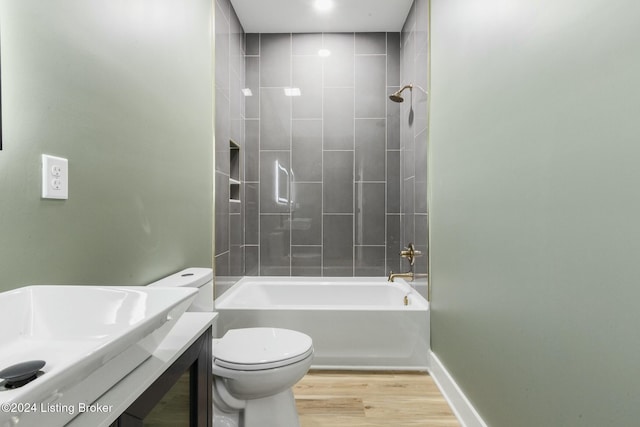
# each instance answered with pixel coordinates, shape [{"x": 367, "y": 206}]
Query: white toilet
[{"x": 253, "y": 368}]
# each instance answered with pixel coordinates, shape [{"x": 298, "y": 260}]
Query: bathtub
[{"x": 355, "y": 323}]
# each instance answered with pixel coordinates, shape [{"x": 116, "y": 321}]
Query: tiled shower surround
[
  {"x": 333, "y": 180},
  {"x": 322, "y": 170},
  {"x": 414, "y": 69},
  {"x": 229, "y": 125}
]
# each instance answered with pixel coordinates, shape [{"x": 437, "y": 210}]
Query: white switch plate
[{"x": 55, "y": 177}]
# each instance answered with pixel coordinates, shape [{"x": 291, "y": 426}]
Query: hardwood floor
[{"x": 371, "y": 399}]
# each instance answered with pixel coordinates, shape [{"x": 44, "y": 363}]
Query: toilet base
[{"x": 274, "y": 411}]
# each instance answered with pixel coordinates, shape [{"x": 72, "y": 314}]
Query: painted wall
[
  {"x": 322, "y": 169},
  {"x": 414, "y": 131},
  {"x": 123, "y": 90},
  {"x": 534, "y": 207}
]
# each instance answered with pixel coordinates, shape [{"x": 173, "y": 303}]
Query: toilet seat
[{"x": 254, "y": 349}]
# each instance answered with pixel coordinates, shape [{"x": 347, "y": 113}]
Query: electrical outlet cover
[{"x": 55, "y": 177}]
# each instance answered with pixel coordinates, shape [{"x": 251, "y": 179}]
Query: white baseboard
[{"x": 462, "y": 408}]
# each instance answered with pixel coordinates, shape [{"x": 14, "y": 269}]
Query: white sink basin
[{"x": 89, "y": 336}]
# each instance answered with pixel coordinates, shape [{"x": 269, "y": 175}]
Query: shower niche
[{"x": 234, "y": 172}]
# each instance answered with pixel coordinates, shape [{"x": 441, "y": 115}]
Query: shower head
[{"x": 396, "y": 96}]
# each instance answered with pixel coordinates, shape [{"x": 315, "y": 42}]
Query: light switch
[{"x": 55, "y": 177}]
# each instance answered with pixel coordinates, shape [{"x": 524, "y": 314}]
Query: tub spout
[
  {"x": 408, "y": 275},
  {"x": 392, "y": 276}
]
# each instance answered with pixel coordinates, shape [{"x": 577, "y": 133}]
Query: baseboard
[{"x": 462, "y": 408}]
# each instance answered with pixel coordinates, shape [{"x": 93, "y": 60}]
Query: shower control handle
[{"x": 410, "y": 253}]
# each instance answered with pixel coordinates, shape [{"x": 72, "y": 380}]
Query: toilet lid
[{"x": 261, "y": 348}]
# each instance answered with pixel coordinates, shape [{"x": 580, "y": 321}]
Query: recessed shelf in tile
[{"x": 234, "y": 172}]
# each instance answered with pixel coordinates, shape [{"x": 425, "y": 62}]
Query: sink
[{"x": 90, "y": 338}]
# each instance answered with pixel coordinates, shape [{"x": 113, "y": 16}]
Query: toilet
[{"x": 253, "y": 368}]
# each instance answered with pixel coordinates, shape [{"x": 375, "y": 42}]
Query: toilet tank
[{"x": 201, "y": 278}]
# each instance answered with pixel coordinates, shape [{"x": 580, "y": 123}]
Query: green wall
[
  {"x": 535, "y": 207},
  {"x": 123, "y": 89}
]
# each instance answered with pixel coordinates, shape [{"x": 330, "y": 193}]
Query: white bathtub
[{"x": 355, "y": 323}]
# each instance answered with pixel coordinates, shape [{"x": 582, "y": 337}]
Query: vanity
[
  {"x": 91, "y": 355},
  {"x": 177, "y": 373}
]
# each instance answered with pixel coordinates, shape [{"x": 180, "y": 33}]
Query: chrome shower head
[{"x": 395, "y": 97}]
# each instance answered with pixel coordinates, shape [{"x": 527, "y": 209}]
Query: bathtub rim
[{"x": 416, "y": 301}]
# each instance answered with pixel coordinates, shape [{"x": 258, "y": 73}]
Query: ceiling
[{"x": 300, "y": 16}]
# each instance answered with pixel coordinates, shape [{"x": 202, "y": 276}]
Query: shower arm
[{"x": 396, "y": 96}]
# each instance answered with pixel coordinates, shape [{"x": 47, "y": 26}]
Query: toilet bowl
[{"x": 253, "y": 368}]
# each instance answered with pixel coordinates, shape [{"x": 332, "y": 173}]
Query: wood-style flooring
[{"x": 371, "y": 399}]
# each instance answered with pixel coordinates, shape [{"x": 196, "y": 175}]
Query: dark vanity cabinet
[{"x": 181, "y": 396}]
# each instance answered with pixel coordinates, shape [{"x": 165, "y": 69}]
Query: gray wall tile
[
  {"x": 275, "y": 60},
  {"x": 414, "y": 67},
  {"x": 407, "y": 60},
  {"x": 223, "y": 132},
  {"x": 252, "y": 150},
  {"x": 369, "y": 261},
  {"x": 252, "y": 213},
  {"x": 393, "y": 182},
  {"x": 370, "y": 86},
  {"x": 371, "y": 43},
  {"x": 393, "y": 243},
  {"x": 421, "y": 172},
  {"x": 222, "y": 264},
  {"x": 223, "y": 59},
  {"x": 370, "y": 150},
  {"x": 274, "y": 245},
  {"x": 275, "y": 185},
  {"x": 230, "y": 109},
  {"x": 235, "y": 230},
  {"x": 306, "y": 261},
  {"x": 410, "y": 22},
  {"x": 338, "y": 182},
  {"x": 306, "y": 43},
  {"x": 337, "y": 245},
  {"x": 421, "y": 241},
  {"x": 338, "y": 67},
  {"x": 236, "y": 108},
  {"x": 337, "y": 271},
  {"x": 420, "y": 97},
  {"x": 393, "y": 120},
  {"x": 407, "y": 160},
  {"x": 251, "y": 266},
  {"x": 306, "y": 214},
  {"x": 235, "y": 249},
  {"x": 420, "y": 197},
  {"x": 236, "y": 44},
  {"x": 275, "y": 119},
  {"x": 222, "y": 213},
  {"x": 307, "y": 75},
  {"x": 329, "y": 151},
  {"x": 224, "y": 7},
  {"x": 306, "y": 150},
  {"x": 393, "y": 59},
  {"x": 407, "y": 228},
  {"x": 338, "y": 119},
  {"x": 408, "y": 196},
  {"x": 252, "y": 81},
  {"x": 252, "y": 44},
  {"x": 370, "y": 214},
  {"x": 422, "y": 16}
]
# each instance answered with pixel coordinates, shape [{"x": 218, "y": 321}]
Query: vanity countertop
[{"x": 110, "y": 405}]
